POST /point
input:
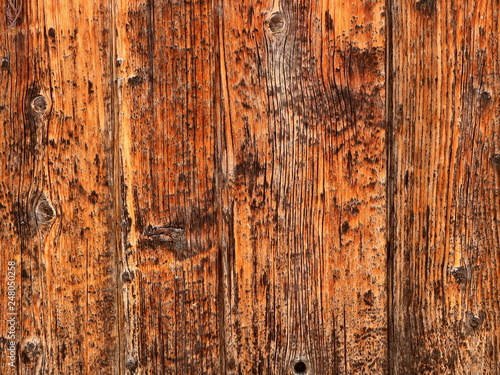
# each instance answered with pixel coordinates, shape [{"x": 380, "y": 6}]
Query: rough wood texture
[
  {"x": 446, "y": 194},
  {"x": 239, "y": 187},
  {"x": 302, "y": 138},
  {"x": 55, "y": 193},
  {"x": 170, "y": 198}
]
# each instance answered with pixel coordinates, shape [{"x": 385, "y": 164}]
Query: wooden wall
[{"x": 249, "y": 187}]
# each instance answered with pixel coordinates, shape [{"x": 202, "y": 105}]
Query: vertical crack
[
  {"x": 222, "y": 260},
  {"x": 116, "y": 182},
  {"x": 391, "y": 188}
]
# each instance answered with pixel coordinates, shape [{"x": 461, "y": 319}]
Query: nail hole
[
  {"x": 300, "y": 367},
  {"x": 277, "y": 22},
  {"x": 52, "y": 32}
]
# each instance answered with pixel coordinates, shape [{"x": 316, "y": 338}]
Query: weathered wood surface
[
  {"x": 302, "y": 137},
  {"x": 56, "y": 195},
  {"x": 248, "y": 187},
  {"x": 171, "y": 207},
  {"x": 446, "y": 187}
]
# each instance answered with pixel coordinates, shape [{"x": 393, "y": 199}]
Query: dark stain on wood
[
  {"x": 132, "y": 365},
  {"x": 328, "y": 21},
  {"x": 135, "y": 80},
  {"x": 427, "y": 7},
  {"x": 31, "y": 352}
]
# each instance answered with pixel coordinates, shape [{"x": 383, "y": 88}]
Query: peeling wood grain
[{"x": 446, "y": 188}]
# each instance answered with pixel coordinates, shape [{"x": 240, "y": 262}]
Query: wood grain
[
  {"x": 302, "y": 134},
  {"x": 250, "y": 187},
  {"x": 170, "y": 198},
  {"x": 55, "y": 192},
  {"x": 446, "y": 187}
]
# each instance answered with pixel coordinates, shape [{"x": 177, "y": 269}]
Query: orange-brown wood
[
  {"x": 446, "y": 187},
  {"x": 302, "y": 135},
  {"x": 56, "y": 192},
  {"x": 249, "y": 187},
  {"x": 170, "y": 203}
]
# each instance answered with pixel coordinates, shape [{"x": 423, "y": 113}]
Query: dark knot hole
[
  {"x": 300, "y": 367},
  {"x": 277, "y": 22},
  {"x": 39, "y": 104}
]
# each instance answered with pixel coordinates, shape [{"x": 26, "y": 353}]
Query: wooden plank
[
  {"x": 55, "y": 189},
  {"x": 302, "y": 134},
  {"x": 446, "y": 183},
  {"x": 167, "y": 137}
]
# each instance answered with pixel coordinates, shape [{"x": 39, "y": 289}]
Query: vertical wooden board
[
  {"x": 446, "y": 183},
  {"x": 11, "y": 68},
  {"x": 302, "y": 134},
  {"x": 55, "y": 191},
  {"x": 167, "y": 136}
]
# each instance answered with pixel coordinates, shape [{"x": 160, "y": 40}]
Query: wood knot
[
  {"x": 495, "y": 160},
  {"x": 460, "y": 274},
  {"x": 131, "y": 364},
  {"x": 473, "y": 320},
  {"x": 277, "y": 22},
  {"x": 35, "y": 214},
  {"x": 31, "y": 351},
  {"x": 164, "y": 234},
  {"x": 485, "y": 96},
  {"x": 44, "y": 211},
  {"x": 127, "y": 276},
  {"x": 172, "y": 239},
  {"x": 6, "y": 63},
  {"x": 39, "y": 104}
]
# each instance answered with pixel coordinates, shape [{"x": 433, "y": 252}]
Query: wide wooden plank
[
  {"x": 302, "y": 134},
  {"x": 55, "y": 189},
  {"x": 170, "y": 205},
  {"x": 445, "y": 168}
]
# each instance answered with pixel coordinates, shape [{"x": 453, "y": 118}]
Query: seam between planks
[
  {"x": 116, "y": 181},
  {"x": 390, "y": 185},
  {"x": 222, "y": 261}
]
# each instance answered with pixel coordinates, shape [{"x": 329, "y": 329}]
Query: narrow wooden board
[
  {"x": 446, "y": 187},
  {"x": 302, "y": 134},
  {"x": 170, "y": 199},
  {"x": 55, "y": 189}
]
